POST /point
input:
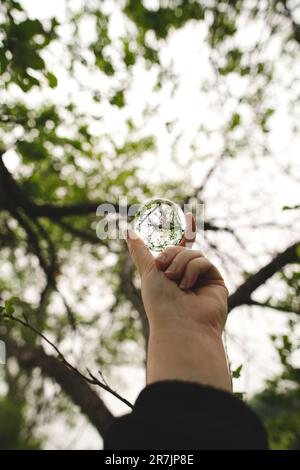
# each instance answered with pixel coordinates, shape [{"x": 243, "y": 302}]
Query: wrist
[
  {"x": 184, "y": 353},
  {"x": 162, "y": 319}
]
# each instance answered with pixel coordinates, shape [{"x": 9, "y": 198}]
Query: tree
[
  {"x": 59, "y": 160},
  {"x": 278, "y": 404}
]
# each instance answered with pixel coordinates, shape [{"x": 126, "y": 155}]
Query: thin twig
[{"x": 91, "y": 380}]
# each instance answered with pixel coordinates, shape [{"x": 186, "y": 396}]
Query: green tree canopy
[{"x": 76, "y": 130}]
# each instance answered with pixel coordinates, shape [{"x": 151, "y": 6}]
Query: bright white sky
[{"x": 242, "y": 191}]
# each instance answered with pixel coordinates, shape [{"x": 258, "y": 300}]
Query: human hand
[
  {"x": 186, "y": 308},
  {"x": 180, "y": 288}
]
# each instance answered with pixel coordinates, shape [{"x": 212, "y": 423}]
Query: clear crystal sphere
[{"x": 160, "y": 223}]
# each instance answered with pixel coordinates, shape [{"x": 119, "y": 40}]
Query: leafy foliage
[
  {"x": 68, "y": 160},
  {"x": 13, "y": 427},
  {"x": 279, "y": 403},
  {"x": 22, "y": 46}
]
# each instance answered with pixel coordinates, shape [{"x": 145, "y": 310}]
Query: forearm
[{"x": 183, "y": 354}]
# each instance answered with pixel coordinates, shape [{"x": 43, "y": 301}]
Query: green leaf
[
  {"x": 35, "y": 61},
  {"x": 30, "y": 28},
  {"x": 235, "y": 121},
  {"x": 3, "y": 61},
  {"x": 103, "y": 64},
  {"x": 118, "y": 99},
  {"x": 52, "y": 80},
  {"x": 260, "y": 67},
  {"x": 129, "y": 56},
  {"x": 9, "y": 307},
  {"x": 290, "y": 208},
  {"x": 234, "y": 57},
  {"x": 237, "y": 372},
  {"x": 15, "y": 5},
  {"x": 286, "y": 343},
  {"x": 31, "y": 151},
  {"x": 239, "y": 395},
  {"x": 264, "y": 119}
]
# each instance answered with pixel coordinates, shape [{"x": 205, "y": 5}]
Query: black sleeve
[{"x": 181, "y": 415}]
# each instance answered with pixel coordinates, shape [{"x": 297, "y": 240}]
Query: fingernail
[
  {"x": 183, "y": 285},
  {"x": 130, "y": 234}
]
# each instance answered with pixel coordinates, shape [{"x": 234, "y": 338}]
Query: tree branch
[
  {"x": 133, "y": 294},
  {"x": 279, "y": 307},
  {"x": 77, "y": 389},
  {"x": 243, "y": 293},
  {"x": 10, "y": 190},
  {"x": 13, "y": 192},
  {"x": 86, "y": 235},
  {"x": 92, "y": 380}
]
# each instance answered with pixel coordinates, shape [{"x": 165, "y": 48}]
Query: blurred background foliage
[{"x": 59, "y": 160}]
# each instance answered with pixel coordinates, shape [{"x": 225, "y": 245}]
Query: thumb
[{"x": 139, "y": 252}]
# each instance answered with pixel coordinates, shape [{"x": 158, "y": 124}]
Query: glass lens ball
[{"x": 160, "y": 223}]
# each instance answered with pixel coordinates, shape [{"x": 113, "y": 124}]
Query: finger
[
  {"x": 197, "y": 268},
  {"x": 190, "y": 231},
  {"x": 166, "y": 257},
  {"x": 179, "y": 263},
  {"x": 139, "y": 252},
  {"x": 163, "y": 260}
]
